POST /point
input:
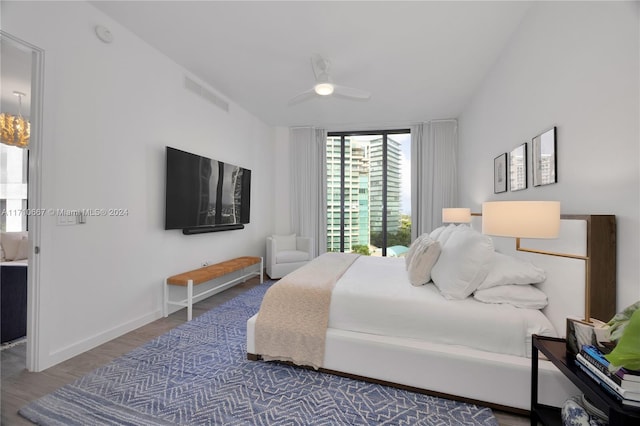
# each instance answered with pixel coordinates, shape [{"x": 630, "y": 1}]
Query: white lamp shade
[
  {"x": 521, "y": 219},
  {"x": 456, "y": 215}
]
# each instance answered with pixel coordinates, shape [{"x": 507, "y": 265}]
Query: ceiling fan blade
[
  {"x": 324, "y": 86},
  {"x": 301, "y": 97},
  {"x": 351, "y": 92}
]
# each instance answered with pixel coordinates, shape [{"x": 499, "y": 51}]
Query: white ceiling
[{"x": 421, "y": 60}]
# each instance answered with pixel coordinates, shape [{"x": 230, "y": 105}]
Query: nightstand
[{"x": 555, "y": 350}]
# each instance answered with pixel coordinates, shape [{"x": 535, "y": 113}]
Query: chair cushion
[
  {"x": 285, "y": 242},
  {"x": 291, "y": 256}
]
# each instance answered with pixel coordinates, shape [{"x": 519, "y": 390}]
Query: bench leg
[
  {"x": 189, "y": 299},
  {"x": 165, "y": 300},
  {"x": 261, "y": 270}
]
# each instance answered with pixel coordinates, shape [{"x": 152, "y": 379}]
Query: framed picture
[
  {"x": 500, "y": 174},
  {"x": 545, "y": 166},
  {"x": 518, "y": 168}
]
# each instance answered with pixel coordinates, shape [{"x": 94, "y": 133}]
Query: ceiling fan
[{"x": 325, "y": 87}]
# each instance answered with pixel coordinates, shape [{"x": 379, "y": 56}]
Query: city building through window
[{"x": 369, "y": 192}]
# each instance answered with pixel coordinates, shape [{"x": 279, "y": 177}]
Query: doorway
[{"x": 22, "y": 76}]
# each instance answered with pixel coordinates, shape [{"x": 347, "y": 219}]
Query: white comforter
[{"x": 374, "y": 296}]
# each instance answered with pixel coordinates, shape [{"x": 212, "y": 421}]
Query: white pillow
[
  {"x": 520, "y": 296},
  {"x": 285, "y": 242},
  {"x": 446, "y": 233},
  {"x": 436, "y": 232},
  {"x": 23, "y": 249},
  {"x": 463, "y": 263},
  {"x": 412, "y": 249},
  {"x": 511, "y": 270},
  {"x": 10, "y": 242},
  {"x": 425, "y": 256}
]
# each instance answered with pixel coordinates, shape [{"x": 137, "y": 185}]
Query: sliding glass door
[{"x": 369, "y": 192}]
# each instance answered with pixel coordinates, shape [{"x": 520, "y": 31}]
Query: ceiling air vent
[{"x": 206, "y": 94}]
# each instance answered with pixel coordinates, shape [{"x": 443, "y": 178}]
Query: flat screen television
[{"x": 205, "y": 195}]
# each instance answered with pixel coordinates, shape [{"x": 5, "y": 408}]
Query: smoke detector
[{"x": 104, "y": 34}]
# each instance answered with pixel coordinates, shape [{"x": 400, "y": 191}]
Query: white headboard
[{"x": 565, "y": 283}]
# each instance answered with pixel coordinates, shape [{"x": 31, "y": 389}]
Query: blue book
[
  {"x": 623, "y": 377},
  {"x": 598, "y": 380},
  {"x": 606, "y": 380},
  {"x": 597, "y": 355},
  {"x": 606, "y": 387}
]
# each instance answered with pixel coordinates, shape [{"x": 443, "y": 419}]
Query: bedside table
[{"x": 555, "y": 350}]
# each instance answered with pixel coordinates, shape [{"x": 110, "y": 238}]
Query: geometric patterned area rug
[{"x": 198, "y": 374}]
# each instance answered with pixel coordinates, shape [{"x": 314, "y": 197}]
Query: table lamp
[
  {"x": 531, "y": 219},
  {"x": 456, "y": 215}
]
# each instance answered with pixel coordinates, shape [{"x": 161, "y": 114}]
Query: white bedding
[
  {"x": 22, "y": 262},
  {"x": 374, "y": 296}
]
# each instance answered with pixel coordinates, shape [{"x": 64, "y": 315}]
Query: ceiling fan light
[{"x": 323, "y": 89}]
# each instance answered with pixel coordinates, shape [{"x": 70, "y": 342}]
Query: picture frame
[
  {"x": 500, "y": 174},
  {"x": 518, "y": 168},
  {"x": 544, "y": 158}
]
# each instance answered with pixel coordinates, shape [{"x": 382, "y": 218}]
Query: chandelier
[{"x": 15, "y": 130}]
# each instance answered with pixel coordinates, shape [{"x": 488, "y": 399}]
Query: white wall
[
  {"x": 282, "y": 180},
  {"x": 573, "y": 65},
  {"x": 109, "y": 112}
]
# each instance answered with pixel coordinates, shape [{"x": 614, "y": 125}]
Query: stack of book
[{"x": 623, "y": 384}]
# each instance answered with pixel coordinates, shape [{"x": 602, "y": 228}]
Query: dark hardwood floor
[{"x": 18, "y": 386}]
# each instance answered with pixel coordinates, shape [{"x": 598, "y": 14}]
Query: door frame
[{"x": 34, "y": 196}]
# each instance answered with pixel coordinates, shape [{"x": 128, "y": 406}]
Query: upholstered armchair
[{"x": 286, "y": 253}]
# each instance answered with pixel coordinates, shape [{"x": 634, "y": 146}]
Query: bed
[{"x": 389, "y": 339}]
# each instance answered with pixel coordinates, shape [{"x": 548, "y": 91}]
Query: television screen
[{"x": 201, "y": 192}]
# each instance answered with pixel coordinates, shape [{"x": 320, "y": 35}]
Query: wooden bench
[{"x": 208, "y": 273}]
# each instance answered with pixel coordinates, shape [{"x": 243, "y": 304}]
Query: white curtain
[
  {"x": 308, "y": 185},
  {"x": 434, "y": 173}
]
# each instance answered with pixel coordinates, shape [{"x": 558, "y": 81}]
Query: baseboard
[{"x": 69, "y": 351}]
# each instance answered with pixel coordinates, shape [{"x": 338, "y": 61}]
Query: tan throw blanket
[{"x": 293, "y": 318}]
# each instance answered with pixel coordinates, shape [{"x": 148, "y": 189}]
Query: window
[
  {"x": 369, "y": 192},
  {"x": 14, "y": 166}
]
